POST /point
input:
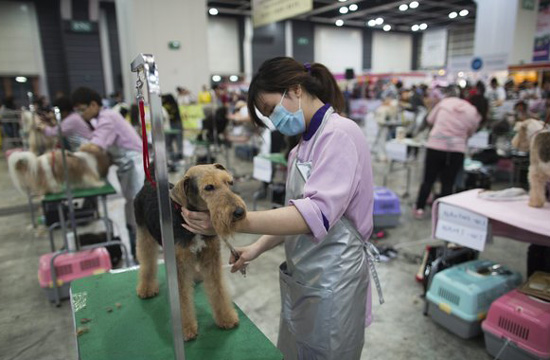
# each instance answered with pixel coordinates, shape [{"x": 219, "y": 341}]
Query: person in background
[
  {"x": 116, "y": 136},
  {"x": 326, "y": 222},
  {"x": 74, "y": 128},
  {"x": 480, "y": 102},
  {"x": 184, "y": 96},
  {"x": 205, "y": 96},
  {"x": 172, "y": 108},
  {"x": 453, "y": 121},
  {"x": 531, "y": 92},
  {"x": 495, "y": 94}
]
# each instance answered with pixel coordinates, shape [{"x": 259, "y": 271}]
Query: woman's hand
[
  {"x": 246, "y": 254},
  {"x": 198, "y": 222}
]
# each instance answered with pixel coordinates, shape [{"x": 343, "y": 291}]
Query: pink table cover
[{"x": 513, "y": 219}]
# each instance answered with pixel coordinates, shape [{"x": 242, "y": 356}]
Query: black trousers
[{"x": 442, "y": 164}]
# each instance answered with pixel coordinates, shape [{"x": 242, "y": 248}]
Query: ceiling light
[
  {"x": 353, "y": 7},
  {"x": 343, "y": 10},
  {"x": 342, "y": 0},
  {"x": 213, "y": 11},
  {"x": 379, "y": 21},
  {"x": 461, "y": 74},
  {"x": 423, "y": 26},
  {"x": 464, "y": 12},
  {"x": 453, "y": 15},
  {"x": 339, "y": 22},
  {"x": 387, "y": 27},
  {"x": 462, "y": 83},
  {"x": 233, "y": 78},
  {"x": 216, "y": 78},
  {"x": 371, "y": 22},
  {"x": 415, "y": 28},
  {"x": 441, "y": 72},
  {"x": 403, "y": 7},
  {"x": 21, "y": 79},
  {"x": 413, "y": 5}
]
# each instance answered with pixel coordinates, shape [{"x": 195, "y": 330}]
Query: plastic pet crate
[
  {"x": 70, "y": 266},
  {"x": 518, "y": 327},
  {"x": 387, "y": 209},
  {"x": 459, "y": 297}
]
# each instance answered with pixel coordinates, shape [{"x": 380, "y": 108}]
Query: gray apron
[
  {"x": 323, "y": 286},
  {"x": 130, "y": 175}
]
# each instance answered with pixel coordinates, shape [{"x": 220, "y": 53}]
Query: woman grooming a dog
[
  {"x": 328, "y": 219},
  {"x": 115, "y": 135}
]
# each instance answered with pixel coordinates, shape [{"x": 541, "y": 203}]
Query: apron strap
[{"x": 372, "y": 256}]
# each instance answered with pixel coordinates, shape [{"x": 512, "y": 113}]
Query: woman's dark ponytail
[
  {"x": 330, "y": 92},
  {"x": 281, "y": 73}
]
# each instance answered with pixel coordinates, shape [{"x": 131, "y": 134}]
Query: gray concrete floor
[{"x": 32, "y": 328}]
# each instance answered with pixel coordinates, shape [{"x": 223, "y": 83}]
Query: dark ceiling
[{"x": 434, "y": 13}]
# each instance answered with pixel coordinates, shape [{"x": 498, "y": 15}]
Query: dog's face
[{"x": 208, "y": 188}]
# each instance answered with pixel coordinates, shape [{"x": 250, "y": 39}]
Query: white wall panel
[
  {"x": 339, "y": 49},
  {"x": 391, "y": 52},
  {"x": 20, "y": 50},
  {"x": 223, "y": 45}
]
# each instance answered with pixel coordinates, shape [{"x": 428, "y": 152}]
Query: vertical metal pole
[
  {"x": 26, "y": 146},
  {"x": 68, "y": 189},
  {"x": 146, "y": 63}
]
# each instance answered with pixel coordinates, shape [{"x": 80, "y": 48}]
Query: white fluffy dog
[
  {"x": 45, "y": 174},
  {"x": 533, "y": 137}
]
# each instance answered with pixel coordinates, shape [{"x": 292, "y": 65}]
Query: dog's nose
[{"x": 238, "y": 213}]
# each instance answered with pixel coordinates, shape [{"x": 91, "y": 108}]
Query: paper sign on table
[
  {"x": 462, "y": 227},
  {"x": 396, "y": 151},
  {"x": 263, "y": 170},
  {"x": 480, "y": 140}
]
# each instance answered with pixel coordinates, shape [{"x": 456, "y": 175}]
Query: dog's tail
[{"x": 23, "y": 167}]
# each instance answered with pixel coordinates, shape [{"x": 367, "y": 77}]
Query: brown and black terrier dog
[{"x": 203, "y": 188}]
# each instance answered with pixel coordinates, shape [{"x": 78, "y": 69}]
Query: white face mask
[{"x": 287, "y": 122}]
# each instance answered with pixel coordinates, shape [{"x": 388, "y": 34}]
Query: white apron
[
  {"x": 323, "y": 286},
  {"x": 130, "y": 175}
]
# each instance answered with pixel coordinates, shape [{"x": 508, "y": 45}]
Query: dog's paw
[
  {"x": 536, "y": 203},
  {"x": 147, "y": 290},
  {"x": 190, "y": 331},
  {"x": 229, "y": 320}
]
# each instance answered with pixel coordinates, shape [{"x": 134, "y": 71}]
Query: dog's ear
[
  {"x": 178, "y": 193},
  {"x": 219, "y": 166}
]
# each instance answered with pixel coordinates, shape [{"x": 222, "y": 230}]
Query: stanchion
[{"x": 144, "y": 65}]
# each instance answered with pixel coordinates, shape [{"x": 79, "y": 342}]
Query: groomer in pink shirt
[
  {"x": 328, "y": 218},
  {"x": 453, "y": 121},
  {"x": 115, "y": 135}
]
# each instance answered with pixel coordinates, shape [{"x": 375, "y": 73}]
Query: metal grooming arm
[{"x": 145, "y": 63}]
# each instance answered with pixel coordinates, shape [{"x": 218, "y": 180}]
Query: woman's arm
[
  {"x": 252, "y": 251},
  {"x": 281, "y": 221}
]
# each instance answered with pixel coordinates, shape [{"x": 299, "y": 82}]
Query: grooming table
[
  {"x": 60, "y": 197},
  {"x": 513, "y": 219},
  {"x": 141, "y": 329}
]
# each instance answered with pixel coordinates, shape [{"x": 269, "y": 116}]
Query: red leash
[{"x": 146, "y": 163}]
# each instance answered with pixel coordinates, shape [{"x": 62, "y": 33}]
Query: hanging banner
[
  {"x": 434, "y": 48},
  {"x": 269, "y": 11},
  {"x": 541, "y": 51}
]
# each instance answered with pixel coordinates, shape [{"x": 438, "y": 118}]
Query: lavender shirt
[
  {"x": 341, "y": 182},
  {"x": 73, "y": 124},
  {"x": 113, "y": 130}
]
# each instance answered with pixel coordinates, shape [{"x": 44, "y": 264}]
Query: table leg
[
  {"x": 31, "y": 207},
  {"x": 105, "y": 218}
]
